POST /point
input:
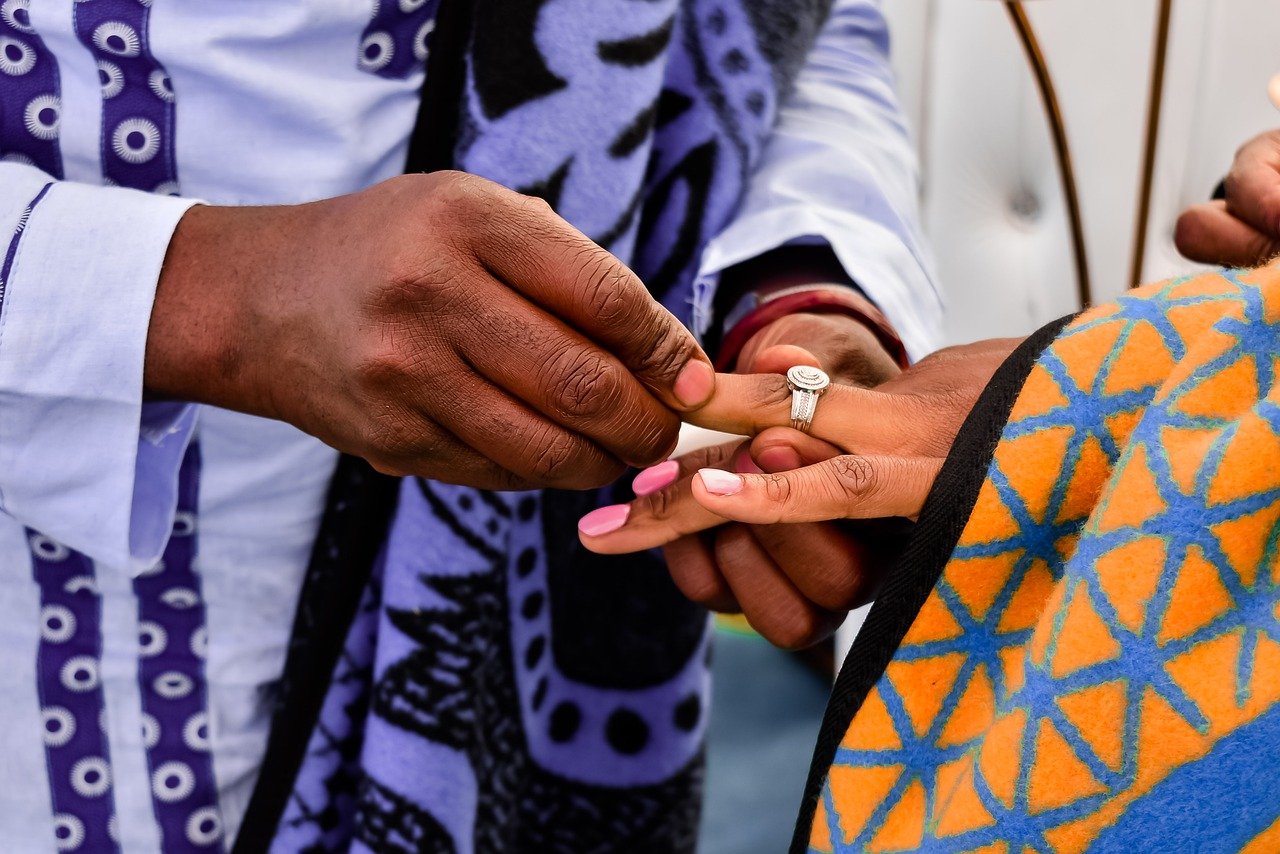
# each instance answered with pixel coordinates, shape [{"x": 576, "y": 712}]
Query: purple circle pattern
[
  {"x": 71, "y": 699},
  {"x": 136, "y": 141},
  {"x": 397, "y": 40},
  {"x": 137, "y": 95},
  {"x": 31, "y": 109},
  {"x": 184, "y": 793}
]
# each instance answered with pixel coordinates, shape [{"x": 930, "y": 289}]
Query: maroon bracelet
[{"x": 811, "y": 301}]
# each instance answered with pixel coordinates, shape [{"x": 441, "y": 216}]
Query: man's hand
[
  {"x": 436, "y": 325},
  {"x": 1243, "y": 230},
  {"x": 872, "y": 455}
]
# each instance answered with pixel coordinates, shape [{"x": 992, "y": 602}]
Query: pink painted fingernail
[
  {"x": 656, "y": 477},
  {"x": 720, "y": 482},
  {"x": 606, "y": 520},
  {"x": 695, "y": 383}
]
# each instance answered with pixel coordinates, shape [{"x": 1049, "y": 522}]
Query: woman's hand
[{"x": 871, "y": 454}]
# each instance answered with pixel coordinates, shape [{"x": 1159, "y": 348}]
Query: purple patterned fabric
[
  {"x": 526, "y": 695},
  {"x": 398, "y": 38},
  {"x": 30, "y": 99},
  {"x": 67, "y": 666},
  {"x": 137, "y": 95},
  {"x": 137, "y": 151},
  {"x": 172, "y": 643},
  {"x": 321, "y": 814},
  {"x": 71, "y": 701},
  {"x": 172, "y": 640}
]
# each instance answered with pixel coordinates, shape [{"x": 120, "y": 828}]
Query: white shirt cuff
[{"x": 80, "y": 460}]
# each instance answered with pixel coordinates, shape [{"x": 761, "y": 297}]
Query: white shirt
[{"x": 271, "y": 107}]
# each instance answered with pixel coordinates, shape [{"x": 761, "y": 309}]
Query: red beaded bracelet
[{"x": 813, "y": 301}]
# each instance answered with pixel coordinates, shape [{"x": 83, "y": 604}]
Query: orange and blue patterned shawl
[{"x": 1081, "y": 648}]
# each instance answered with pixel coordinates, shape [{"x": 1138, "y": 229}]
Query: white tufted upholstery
[{"x": 992, "y": 200}]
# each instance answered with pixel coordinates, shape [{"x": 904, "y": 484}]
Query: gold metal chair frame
[{"x": 1062, "y": 149}]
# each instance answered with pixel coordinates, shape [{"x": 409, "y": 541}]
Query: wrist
[
  {"x": 197, "y": 346},
  {"x": 815, "y": 299}
]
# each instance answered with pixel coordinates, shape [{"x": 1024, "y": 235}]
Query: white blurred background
[{"x": 992, "y": 200}]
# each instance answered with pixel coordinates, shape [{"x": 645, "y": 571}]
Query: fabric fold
[{"x": 74, "y": 436}]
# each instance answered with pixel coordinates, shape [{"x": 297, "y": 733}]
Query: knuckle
[
  {"x": 732, "y": 547},
  {"x": 384, "y": 375},
  {"x": 480, "y": 212},
  {"x": 603, "y": 283},
  {"x": 464, "y": 194},
  {"x": 713, "y": 456},
  {"x": 1261, "y": 249},
  {"x": 536, "y": 207},
  {"x": 504, "y": 480},
  {"x": 402, "y": 443},
  {"x": 774, "y": 393},
  {"x": 854, "y": 476},
  {"x": 1270, "y": 204},
  {"x": 839, "y": 592},
  {"x": 583, "y": 385},
  {"x": 1188, "y": 231},
  {"x": 661, "y": 506},
  {"x": 699, "y": 588},
  {"x": 617, "y": 299},
  {"x": 796, "y": 630},
  {"x": 777, "y": 488},
  {"x": 666, "y": 347},
  {"x": 392, "y": 442},
  {"x": 552, "y": 458},
  {"x": 561, "y": 459},
  {"x": 389, "y": 467}
]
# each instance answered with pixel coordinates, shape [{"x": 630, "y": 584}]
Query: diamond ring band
[{"x": 807, "y": 385}]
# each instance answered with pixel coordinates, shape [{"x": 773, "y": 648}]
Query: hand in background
[
  {"x": 1244, "y": 229},
  {"x": 435, "y": 325},
  {"x": 872, "y": 454}
]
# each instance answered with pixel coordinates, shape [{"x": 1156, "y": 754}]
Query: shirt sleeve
[
  {"x": 82, "y": 460},
  {"x": 840, "y": 168}
]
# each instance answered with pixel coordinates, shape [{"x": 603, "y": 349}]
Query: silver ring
[{"x": 807, "y": 385}]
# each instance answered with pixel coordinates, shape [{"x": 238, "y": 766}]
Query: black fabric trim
[
  {"x": 357, "y": 514},
  {"x": 942, "y": 520},
  {"x": 436, "y": 131},
  {"x": 360, "y": 502}
]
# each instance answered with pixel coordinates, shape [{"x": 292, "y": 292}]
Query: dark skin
[
  {"x": 442, "y": 326},
  {"x": 1244, "y": 229},
  {"x": 794, "y": 583},
  {"x": 435, "y": 325},
  {"x": 872, "y": 454}
]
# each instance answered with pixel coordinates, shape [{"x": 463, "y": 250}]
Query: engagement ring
[{"x": 807, "y": 385}]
